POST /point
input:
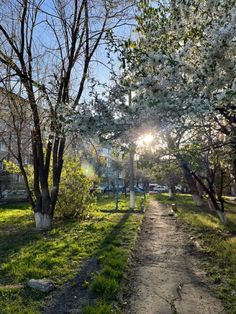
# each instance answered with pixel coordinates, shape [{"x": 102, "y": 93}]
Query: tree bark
[
  {"x": 233, "y": 148},
  {"x": 210, "y": 192},
  {"x": 197, "y": 198}
]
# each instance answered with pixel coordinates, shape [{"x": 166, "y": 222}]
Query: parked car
[
  {"x": 96, "y": 189},
  {"x": 178, "y": 188},
  {"x": 107, "y": 189},
  {"x": 156, "y": 188},
  {"x": 15, "y": 195},
  {"x": 160, "y": 189},
  {"x": 138, "y": 190}
]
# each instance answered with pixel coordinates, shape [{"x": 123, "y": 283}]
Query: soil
[
  {"x": 73, "y": 296},
  {"x": 165, "y": 276}
]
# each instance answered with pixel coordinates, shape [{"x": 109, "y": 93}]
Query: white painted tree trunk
[
  {"x": 233, "y": 189},
  {"x": 132, "y": 200},
  {"x": 222, "y": 216},
  {"x": 170, "y": 194},
  {"x": 43, "y": 221},
  {"x": 197, "y": 200}
]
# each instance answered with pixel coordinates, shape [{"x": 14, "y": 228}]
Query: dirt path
[{"x": 165, "y": 277}]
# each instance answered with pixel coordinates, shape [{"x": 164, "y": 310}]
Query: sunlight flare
[{"x": 145, "y": 140}]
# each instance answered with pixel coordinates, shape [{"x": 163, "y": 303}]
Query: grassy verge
[
  {"x": 113, "y": 256},
  {"x": 58, "y": 254},
  {"x": 218, "y": 244}
]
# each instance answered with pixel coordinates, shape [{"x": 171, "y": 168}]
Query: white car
[
  {"x": 156, "y": 188},
  {"x": 160, "y": 189}
]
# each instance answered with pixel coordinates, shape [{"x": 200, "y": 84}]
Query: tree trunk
[
  {"x": 233, "y": 148},
  {"x": 45, "y": 199},
  {"x": 170, "y": 194},
  {"x": 125, "y": 189},
  {"x": 172, "y": 190},
  {"x": 132, "y": 200},
  {"x": 57, "y": 168},
  {"x": 43, "y": 221},
  {"x": 197, "y": 198},
  {"x": 222, "y": 216},
  {"x": 212, "y": 202},
  {"x": 233, "y": 189},
  {"x": 213, "y": 205}
]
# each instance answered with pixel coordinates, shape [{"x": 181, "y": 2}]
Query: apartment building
[{"x": 14, "y": 133}]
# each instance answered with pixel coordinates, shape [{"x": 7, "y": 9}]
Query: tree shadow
[
  {"x": 74, "y": 295},
  {"x": 120, "y": 211},
  {"x": 230, "y": 211},
  {"x": 12, "y": 241},
  {"x": 231, "y": 227}
]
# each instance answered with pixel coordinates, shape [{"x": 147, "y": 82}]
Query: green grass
[
  {"x": 113, "y": 257},
  {"x": 58, "y": 254},
  {"x": 15, "y": 216},
  {"x": 218, "y": 242},
  {"x": 100, "y": 308}
]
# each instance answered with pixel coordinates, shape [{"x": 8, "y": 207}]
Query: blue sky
[{"x": 45, "y": 41}]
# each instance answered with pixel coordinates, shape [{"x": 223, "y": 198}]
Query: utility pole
[
  {"x": 117, "y": 190},
  {"x": 131, "y": 165},
  {"x": 131, "y": 178}
]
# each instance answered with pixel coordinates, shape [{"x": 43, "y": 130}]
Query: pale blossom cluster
[{"x": 187, "y": 63}]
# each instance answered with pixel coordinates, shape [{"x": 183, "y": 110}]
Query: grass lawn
[
  {"x": 58, "y": 254},
  {"x": 218, "y": 244}
]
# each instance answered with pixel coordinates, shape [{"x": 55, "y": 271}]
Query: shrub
[{"x": 74, "y": 199}]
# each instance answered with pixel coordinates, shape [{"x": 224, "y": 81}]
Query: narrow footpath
[{"x": 165, "y": 278}]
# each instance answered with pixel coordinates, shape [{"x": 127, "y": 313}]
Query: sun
[
  {"x": 145, "y": 140},
  {"x": 148, "y": 138}
]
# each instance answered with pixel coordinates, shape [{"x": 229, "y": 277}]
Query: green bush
[{"x": 74, "y": 199}]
